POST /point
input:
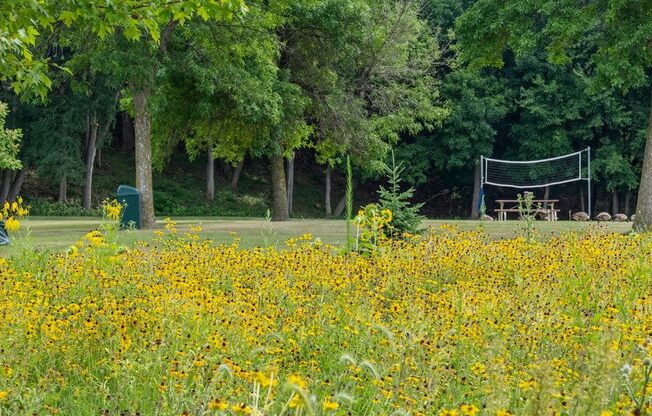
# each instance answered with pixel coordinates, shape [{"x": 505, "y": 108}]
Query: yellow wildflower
[
  {"x": 241, "y": 409},
  {"x": 12, "y": 224},
  {"x": 469, "y": 410},
  {"x": 297, "y": 381},
  {"x": 95, "y": 238},
  {"x": 295, "y": 401},
  {"x": 478, "y": 369},
  {"x": 527, "y": 384},
  {"x": 265, "y": 380},
  {"x": 217, "y": 405},
  {"x": 330, "y": 405}
]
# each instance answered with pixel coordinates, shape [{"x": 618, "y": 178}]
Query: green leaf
[
  {"x": 132, "y": 33},
  {"x": 67, "y": 17}
]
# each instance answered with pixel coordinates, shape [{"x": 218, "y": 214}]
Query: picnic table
[{"x": 512, "y": 205}]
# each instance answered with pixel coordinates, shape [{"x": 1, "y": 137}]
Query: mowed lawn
[{"x": 57, "y": 233}]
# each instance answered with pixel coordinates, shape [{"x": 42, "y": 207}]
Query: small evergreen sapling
[{"x": 405, "y": 215}]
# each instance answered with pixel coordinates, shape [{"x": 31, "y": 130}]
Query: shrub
[
  {"x": 406, "y": 218},
  {"x": 73, "y": 208}
]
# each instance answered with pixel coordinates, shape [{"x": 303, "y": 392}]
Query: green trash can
[{"x": 130, "y": 196}]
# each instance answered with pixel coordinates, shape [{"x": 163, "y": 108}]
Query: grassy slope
[{"x": 51, "y": 233}]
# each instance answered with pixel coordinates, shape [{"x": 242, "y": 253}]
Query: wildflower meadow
[
  {"x": 325, "y": 207},
  {"x": 448, "y": 323}
]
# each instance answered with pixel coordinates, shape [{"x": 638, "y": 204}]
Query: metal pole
[
  {"x": 589, "y": 178},
  {"x": 481, "y": 189},
  {"x": 481, "y": 170}
]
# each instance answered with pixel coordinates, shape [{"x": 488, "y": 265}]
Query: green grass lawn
[{"x": 57, "y": 233}]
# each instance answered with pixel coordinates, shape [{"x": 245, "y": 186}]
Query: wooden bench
[{"x": 550, "y": 213}]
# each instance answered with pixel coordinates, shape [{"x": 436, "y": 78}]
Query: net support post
[
  {"x": 481, "y": 188},
  {"x": 588, "y": 181},
  {"x": 481, "y": 171}
]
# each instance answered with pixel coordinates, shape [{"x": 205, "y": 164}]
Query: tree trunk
[
  {"x": 279, "y": 191},
  {"x": 86, "y": 135},
  {"x": 63, "y": 189},
  {"x": 327, "y": 201},
  {"x": 210, "y": 174},
  {"x": 143, "y": 139},
  {"x": 6, "y": 185},
  {"x": 595, "y": 193},
  {"x": 98, "y": 159},
  {"x": 127, "y": 130},
  {"x": 91, "y": 151},
  {"x": 475, "y": 200},
  {"x": 582, "y": 197},
  {"x": 615, "y": 202},
  {"x": 235, "y": 177},
  {"x": 339, "y": 210},
  {"x": 627, "y": 203},
  {"x": 546, "y": 195},
  {"x": 290, "y": 184},
  {"x": 17, "y": 184},
  {"x": 227, "y": 169},
  {"x": 643, "y": 220}
]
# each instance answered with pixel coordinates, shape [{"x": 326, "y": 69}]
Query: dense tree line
[{"x": 435, "y": 79}]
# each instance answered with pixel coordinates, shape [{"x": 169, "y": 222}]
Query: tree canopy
[
  {"x": 273, "y": 81},
  {"x": 607, "y": 42}
]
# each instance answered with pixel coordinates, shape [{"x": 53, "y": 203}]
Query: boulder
[{"x": 620, "y": 217}]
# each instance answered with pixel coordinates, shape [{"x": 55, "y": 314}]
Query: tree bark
[
  {"x": 17, "y": 184},
  {"x": 627, "y": 203},
  {"x": 615, "y": 202},
  {"x": 546, "y": 195},
  {"x": 290, "y": 182},
  {"x": 475, "y": 200},
  {"x": 6, "y": 185},
  {"x": 226, "y": 168},
  {"x": 339, "y": 210},
  {"x": 643, "y": 220},
  {"x": 63, "y": 189},
  {"x": 91, "y": 151},
  {"x": 235, "y": 177},
  {"x": 210, "y": 174},
  {"x": 327, "y": 201},
  {"x": 127, "y": 130},
  {"x": 279, "y": 191},
  {"x": 143, "y": 138}
]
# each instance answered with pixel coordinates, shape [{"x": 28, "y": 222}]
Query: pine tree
[{"x": 405, "y": 215}]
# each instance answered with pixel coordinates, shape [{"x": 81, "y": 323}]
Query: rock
[
  {"x": 580, "y": 216},
  {"x": 603, "y": 216},
  {"x": 632, "y": 217},
  {"x": 620, "y": 217},
  {"x": 486, "y": 217}
]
